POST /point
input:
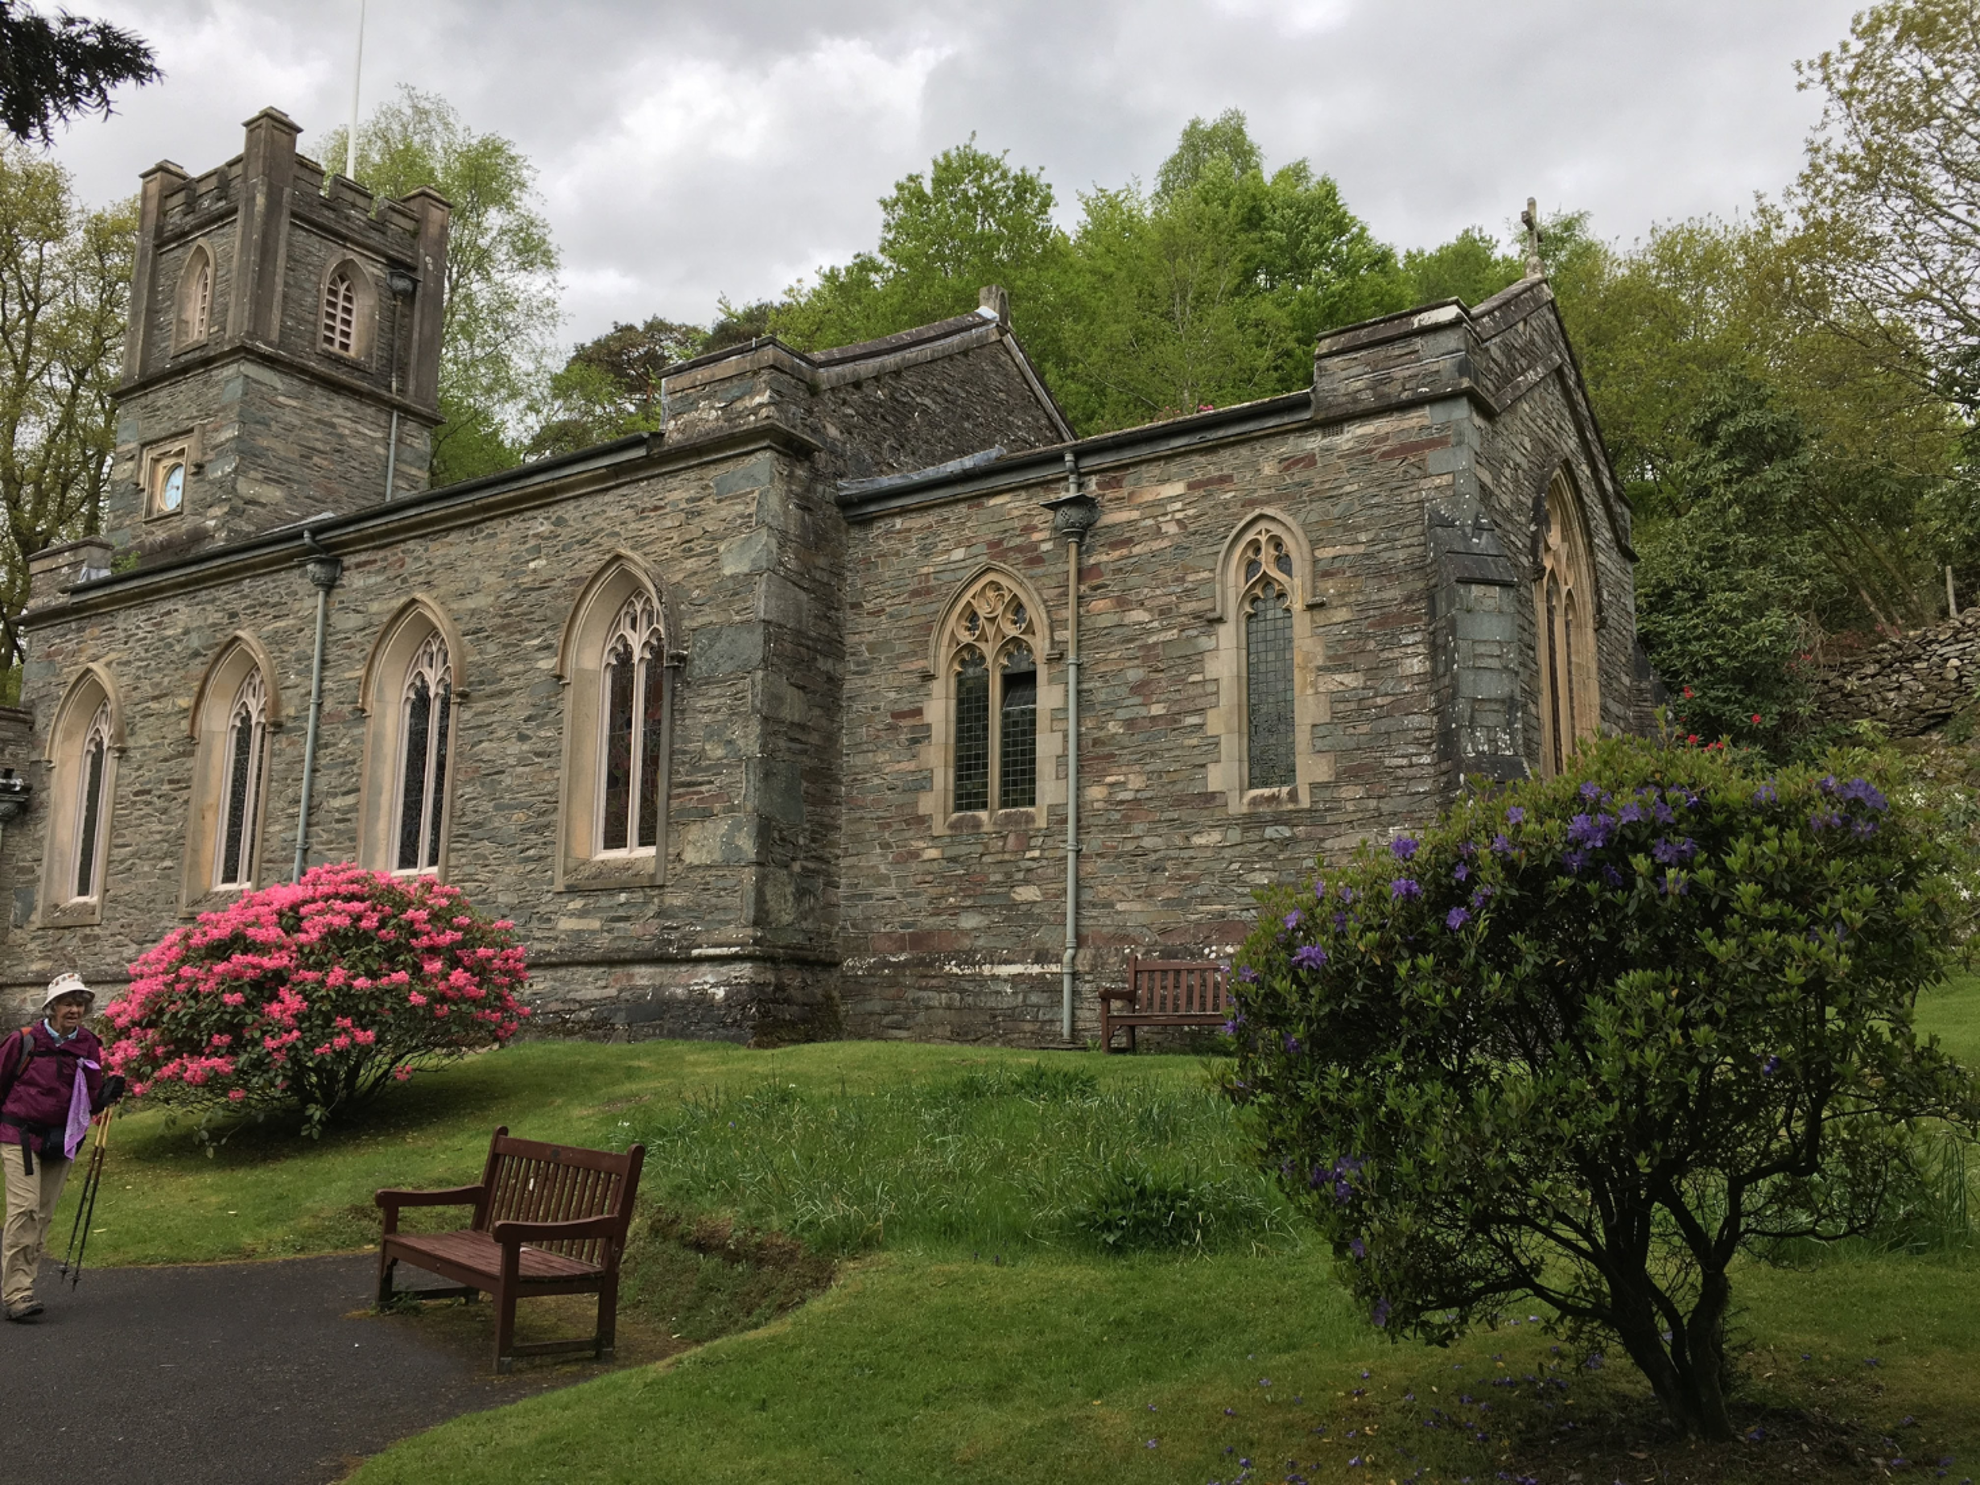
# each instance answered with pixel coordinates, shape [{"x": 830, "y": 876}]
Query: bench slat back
[
  {"x": 1177, "y": 987},
  {"x": 528, "y": 1181}
]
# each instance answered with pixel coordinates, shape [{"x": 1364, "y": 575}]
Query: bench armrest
[
  {"x": 1116, "y": 994},
  {"x": 454, "y": 1196},
  {"x": 509, "y": 1234}
]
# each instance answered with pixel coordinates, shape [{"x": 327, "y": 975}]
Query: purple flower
[
  {"x": 1347, "y": 894},
  {"x": 1629, "y": 814},
  {"x": 1405, "y": 889},
  {"x": 1592, "y": 791},
  {"x": 1456, "y": 918},
  {"x": 1481, "y": 895},
  {"x": 1824, "y": 819},
  {"x": 1827, "y": 785},
  {"x": 1501, "y": 846},
  {"x": 1248, "y": 975},
  {"x": 1575, "y": 860},
  {"x": 1403, "y": 847},
  {"x": 1766, "y": 793},
  {"x": 1515, "y": 816},
  {"x": 1663, "y": 814},
  {"x": 1340, "y": 922},
  {"x": 1292, "y": 1042},
  {"x": 1460, "y": 872},
  {"x": 1358, "y": 1248},
  {"x": 1309, "y": 956},
  {"x": 1381, "y": 1312},
  {"x": 1864, "y": 792},
  {"x": 1863, "y": 829},
  {"x": 1294, "y": 919},
  {"x": 1319, "y": 889},
  {"x": 1613, "y": 877},
  {"x": 1668, "y": 852},
  {"x": 1231, "y": 1026},
  {"x": 1769, "y": 1067}
]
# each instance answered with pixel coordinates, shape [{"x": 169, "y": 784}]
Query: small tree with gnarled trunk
[{"x": 1591, "y": 1039}]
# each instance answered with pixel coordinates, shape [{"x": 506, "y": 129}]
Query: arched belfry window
[
  {"x": 242, "y": 777},
  {"x": 426, "y": 716},
  {"x": 633, "y": 688},
  {"x": 1564, "y": 603},
  {"x": 340, "y": 311},
  {"x": 195, "y": 309},
  {"x": 993, "y": 672},
  {"x": 1265, "y": 605}
]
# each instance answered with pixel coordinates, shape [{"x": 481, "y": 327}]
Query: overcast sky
[{"x": 688, "y": 151}]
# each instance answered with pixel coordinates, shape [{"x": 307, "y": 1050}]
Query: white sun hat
[{"x": 65, "y": 984}]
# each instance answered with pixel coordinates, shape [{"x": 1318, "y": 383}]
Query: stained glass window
[
  {"x": 619, "y": 727},
  {"x": 1268, "y": 655},
  {"x": 652, "y": 710},
  {"x": 992, "y": 660},
  {"x": 632, "y": 696}
]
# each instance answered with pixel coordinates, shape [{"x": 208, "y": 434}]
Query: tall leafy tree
[
  {"x": 502, "y": 311},
  {"x": 64, "y": 298},
  {"x": 53, "y": 68},
  {"x": 611, "y": 386}
]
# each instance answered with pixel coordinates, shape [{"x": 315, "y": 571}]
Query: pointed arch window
[
  {"x": 1265, "y": 602},
  {"x": 242, "y": 777},
  {"x": 633, "y": 687},
  {"x": 340, "y": 312},
  {"x": 426, "y": 715},
  {"x": 92, "y": 806},
  {"x": 993, "y": 672},
  {"x": 195, "y": 299},
  {"x": 1570, "y": 709}
]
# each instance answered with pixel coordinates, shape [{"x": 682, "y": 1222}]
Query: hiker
[{"x": 51, "y": 1083}]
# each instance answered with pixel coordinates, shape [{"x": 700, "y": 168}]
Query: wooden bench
[
  {"x": 548, "y": 1219},
  {"x": 1163, "y": 992}
]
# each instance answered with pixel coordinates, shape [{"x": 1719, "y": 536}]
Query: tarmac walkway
[{"x": 269, "y": 1373}]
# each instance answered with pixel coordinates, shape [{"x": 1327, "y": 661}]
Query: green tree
[
  {"x": 611, "y": 386},
  {"x": 502, "y": 311},
  {"x": 1468, "y": 267},
  {"x": 65, "y": 278},
  {"x": 1593, "y": 1039},
  {"x": 55, "y": 68},
  {"x": 973, "y": 219},
  {"x": 1887, "y": 197}
]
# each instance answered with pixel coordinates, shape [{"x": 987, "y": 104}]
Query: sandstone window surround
[
  {"x": 1564, "y": 608},
  {"x": 166, "y": 470},
  {"x": 1265, "y": 667},
  {"x": 349, "y": 313},
  {"x": 235, "y": 711},
  {"x": 192, "y": 322},
  {"x": 620, "y": 662},
  {"x": 412, "y": 693},
  {"x": 992, "y": 750},
  {"x": 84, "y": 747}
]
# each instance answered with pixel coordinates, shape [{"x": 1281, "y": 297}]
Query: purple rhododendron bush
[
  {"x": 1590, "y": 1039},
  {"x": 312, "y": 995}
]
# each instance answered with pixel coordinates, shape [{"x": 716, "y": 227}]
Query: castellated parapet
[{"x": 283, "y": 351}]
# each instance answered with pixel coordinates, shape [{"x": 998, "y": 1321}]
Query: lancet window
[
  {"x": 340, "y": 313},
  {"x": 241, "y": 781},
  {"x": 425, "y": 733},
  {"x": 633, "y": 690},
  {"x": 1565, "y": 614},
  {"x": 92, "y": 806},
  {"x": 1265, "y": 605}
]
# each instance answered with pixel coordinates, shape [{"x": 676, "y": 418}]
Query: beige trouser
[{"x": 30, "y": 1203}]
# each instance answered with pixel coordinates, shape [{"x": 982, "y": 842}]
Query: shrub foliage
[
  {"x": 1589, "y": 1039},
  {"x": 315, "y": 994}
]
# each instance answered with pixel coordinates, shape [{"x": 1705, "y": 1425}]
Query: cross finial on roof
[{"x": 1535, "y": 267}]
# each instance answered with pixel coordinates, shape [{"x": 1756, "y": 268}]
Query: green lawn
[{"x": 977, "y": 1331}]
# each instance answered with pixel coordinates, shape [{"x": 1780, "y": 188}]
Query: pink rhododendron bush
[{"x": 313, "y": 995}]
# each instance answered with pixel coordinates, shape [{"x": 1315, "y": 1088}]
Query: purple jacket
[{"x": 41, "y": 1094}]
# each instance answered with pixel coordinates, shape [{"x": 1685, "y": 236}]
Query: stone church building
[{"x": 772, "y": 723}]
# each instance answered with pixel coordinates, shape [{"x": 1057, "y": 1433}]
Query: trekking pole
[{"x": 86, "y": 1201}]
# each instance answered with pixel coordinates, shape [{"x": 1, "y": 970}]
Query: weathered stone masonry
[{"x": 805, "y": 523}]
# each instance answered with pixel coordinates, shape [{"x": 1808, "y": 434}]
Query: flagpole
[{"x": 357, "y": 74}]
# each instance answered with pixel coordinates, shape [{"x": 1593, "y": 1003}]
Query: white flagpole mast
[{"x": 357, "y": 74}]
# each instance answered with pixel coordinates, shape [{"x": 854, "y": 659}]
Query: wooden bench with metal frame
[
  {"x": 548, "y": 1219},
  {"x": 1164, "y": 992}
]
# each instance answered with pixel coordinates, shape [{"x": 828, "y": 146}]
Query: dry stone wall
[{"x": 1912, "y": 684}]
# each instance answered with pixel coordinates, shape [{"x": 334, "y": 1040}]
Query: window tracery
[
  {"x": 92, "y": 807},
  {"x": 993, "y": 670},
  {"x": 1564, "y": 602},
  {"x": 1265, "y": 601},
  {"x": 340, "y": 312}
]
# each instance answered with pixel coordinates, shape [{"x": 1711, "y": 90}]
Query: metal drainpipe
[
  {"x": 1072, "y": 514},
  {"x": 324, "y": 570}
]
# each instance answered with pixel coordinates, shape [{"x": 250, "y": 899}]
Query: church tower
[{"x": 284, "y": 349}]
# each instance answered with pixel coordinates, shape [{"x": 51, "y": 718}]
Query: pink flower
[{"x": 236, "y": 1095}]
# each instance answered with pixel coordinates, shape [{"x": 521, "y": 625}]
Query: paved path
[{"x": 229, "y": 1374}]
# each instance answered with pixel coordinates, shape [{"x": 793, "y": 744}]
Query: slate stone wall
[{"x": 1911, "y": 684}]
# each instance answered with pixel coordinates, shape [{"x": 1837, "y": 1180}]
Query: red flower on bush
[{"x": 315, "y": 994}]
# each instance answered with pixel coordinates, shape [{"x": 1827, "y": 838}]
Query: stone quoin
[{"x": 757, "y": 725}]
